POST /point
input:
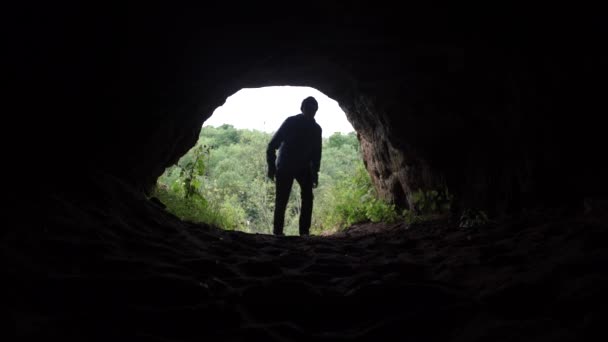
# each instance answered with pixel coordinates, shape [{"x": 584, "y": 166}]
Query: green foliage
[
  {"x": 196, "y": 210},
  {"x": 354, "y": 200},
  {"x": 431, "y": 201},
  {"x": 180, "y": 188},
  {"x": 377, "y": 210},
  {"x": 337, "y": 140},
  {"x": 224, "y": 135},
  {"x": 471, "y": 218},
  {"x": 222, "y": 181},
  {"x": 192, "y": 171},
  {"x": 427, "y": 205}
]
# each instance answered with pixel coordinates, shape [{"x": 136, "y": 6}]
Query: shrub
[
  {"x": 427, "y": 205},
  {"x": 355, "y": 200},
  {"x": 471, "y": 218}
]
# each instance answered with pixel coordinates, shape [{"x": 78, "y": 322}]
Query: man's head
[{"x": 309, "y": 107}]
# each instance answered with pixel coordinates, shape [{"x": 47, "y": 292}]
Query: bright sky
[{"x": 265, "y": 109}]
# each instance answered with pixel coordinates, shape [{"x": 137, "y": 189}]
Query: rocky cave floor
[{"x": 115, "y": 267}]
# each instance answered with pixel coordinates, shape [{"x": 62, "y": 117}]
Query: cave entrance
[{"x": 223, "y": 180}]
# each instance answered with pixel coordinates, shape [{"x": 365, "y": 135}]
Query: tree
[{"x": 222, "y": 181}]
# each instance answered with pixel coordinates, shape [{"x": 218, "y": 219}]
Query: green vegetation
[
  {"x": 222, "y": 181},
  {"x": 354, "y": 200},
  {"x": 472, "y": 218},
  {"x": 427, "y": 205}
]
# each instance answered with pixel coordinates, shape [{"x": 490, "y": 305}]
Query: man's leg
[
  {"x": 305, "y": 181},
  {"x": 283, "y": 188}
]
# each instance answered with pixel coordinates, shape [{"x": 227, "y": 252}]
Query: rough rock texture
[
  {"x": 501, "y": 107},
  {"x": 118, "y": 268}
]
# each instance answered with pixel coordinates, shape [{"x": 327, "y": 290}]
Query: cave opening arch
[
  {"x": 222, "y": 180},
  {"x": 395, "y": 175}
]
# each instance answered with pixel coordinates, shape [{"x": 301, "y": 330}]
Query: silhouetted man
[{"x": 299, "y": 143}]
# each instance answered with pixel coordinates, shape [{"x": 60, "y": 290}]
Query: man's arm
[
  {"x": 316, "y": 158},
  {"x": 273, "y": 145}
]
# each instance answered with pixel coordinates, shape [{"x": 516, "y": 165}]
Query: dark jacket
[{"x": 299, "y": 143}]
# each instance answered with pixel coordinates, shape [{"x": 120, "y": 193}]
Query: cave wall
[{"x": 504, "y": 109}]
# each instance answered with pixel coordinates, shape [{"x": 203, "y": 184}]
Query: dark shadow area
[
  {"x": 145, "y": 275},
  {"x": 505, "y": 109}
]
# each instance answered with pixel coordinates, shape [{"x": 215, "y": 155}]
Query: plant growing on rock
[
  {"x": 471, "y": 218},
  {"x": 427, "y": 205}
]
